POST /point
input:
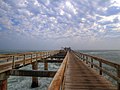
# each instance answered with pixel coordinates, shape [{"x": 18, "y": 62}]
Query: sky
[{"x": 52, "y": 24}]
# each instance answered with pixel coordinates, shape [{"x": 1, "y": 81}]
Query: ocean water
[
  {"x": 24, "y": 83},
  {"x": 110, "y": 55}
]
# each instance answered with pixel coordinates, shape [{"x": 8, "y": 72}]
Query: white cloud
[
  {"x": 59, "y": 19},
  {"x": 71, "y": 7},
  {"x": 115, "y": 3}
]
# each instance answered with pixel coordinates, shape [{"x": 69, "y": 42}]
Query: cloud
[{"x": 59, "y": 19}]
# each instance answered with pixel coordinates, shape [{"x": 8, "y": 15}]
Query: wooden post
[
  {"x": 13, "y": 62},
  {"x": 7, "y": 59},
  {"x": 45, "y": 65},
  {"x": 37, "y": 58},
  {"x": 86, "y": 59},
  {"x": 24, "y": 60},
  {"x": 80, "y": 56},
  {"x": 31, "y": 58},
  {"x": 48, "y": 54},
  {"x": 83, "y": 58},
  {"x": 91, "y": 62},
  {"x": 34, "y": 79},
  {"x": 17, "y": 58},
  {"x": 3, "y": 85},
  {"x": 100, "y": 65},
  {"x": 118, "y": 74},
  {"x": 45, "y": 54}
]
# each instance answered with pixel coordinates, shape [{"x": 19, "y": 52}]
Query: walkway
[{"x": 80, "y": 77}]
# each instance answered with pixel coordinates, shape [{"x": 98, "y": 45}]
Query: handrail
[
  {"x": 58, "y": 78},
  {"x": 27, "y": 53},
  {"x": 27, "y": 58},
  {"x": 90, "y": 59}
]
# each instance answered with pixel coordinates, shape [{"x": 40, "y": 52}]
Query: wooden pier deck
[
  {"x": 80, "y": 77},
  {"x": 76, "y": 72}
]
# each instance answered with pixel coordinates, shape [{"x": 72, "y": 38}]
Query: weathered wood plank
[
  {"x": 80, "y": 77},
  {"x": 57, "y": 80},
  {"x": 35, "y": 73}
]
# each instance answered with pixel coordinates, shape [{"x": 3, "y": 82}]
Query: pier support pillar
[
  {"x": 45, "y": 65},
  {"x": 34, "y": 79},
  {"x": 3, "y": 80},
  {"x": 3, "y": 85}
]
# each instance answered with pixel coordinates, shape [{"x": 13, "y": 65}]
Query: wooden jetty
[{"x": 77, "y": 71}]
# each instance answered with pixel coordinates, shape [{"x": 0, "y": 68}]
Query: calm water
[{"x": 24, "y": 83}]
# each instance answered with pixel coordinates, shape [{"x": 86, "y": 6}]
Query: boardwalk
[
  {"x": 76, "y": 72},
  {"x": 79, "y": 77}
]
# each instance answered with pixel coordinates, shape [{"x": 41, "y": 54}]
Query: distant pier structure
[
  {"x": 66, "y": 49},
  {"x": 78, "y": 71}
]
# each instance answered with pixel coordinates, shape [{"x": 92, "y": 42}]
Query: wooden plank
[
  {"x": 80, "y": 77},
  {"x": 57, "y": 80},
  {"x": 35, "y": 73}
]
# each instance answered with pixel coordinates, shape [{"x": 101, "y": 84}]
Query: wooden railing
[
  {"x": 57, "y": 82},
  {"x": 91, "y": 60},
  {"x": 12, "y": 61}
]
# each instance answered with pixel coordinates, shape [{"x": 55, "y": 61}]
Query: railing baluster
[
  {"x": 36, "y": 57},
  {"x": 86, "y": 59},
  {"x": 24, "y": 59},
  {"x": 91, "y": 62},
  {"x": 83, "y": 58},
  {"x": 100, "y": 65},
  {"x": 31, "y": 58},
  {"x": 13, "y": 62}
]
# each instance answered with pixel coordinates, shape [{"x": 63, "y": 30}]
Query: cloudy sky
[{"x": 52, "y": 24}]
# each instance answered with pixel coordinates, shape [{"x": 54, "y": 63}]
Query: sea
[{"x": 24, "y": 83}]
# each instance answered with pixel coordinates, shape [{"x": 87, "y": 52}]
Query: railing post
[
  {"x": 91, "y": 62},
  {"x": 17, "y": 58},
  {"x": 80, "y": 56},
  {"x": 100, "y": 65},
  {"x": 83, "y": 58},
  {"x": 36, "y": 57},
  {"x": 86, "y": 60},
  {"x": 48, "y": 54},
  {"x": 118, "y": 74},
  {"x": 24, "y": 59},
  {"x": 7, "y": 59},
  {"x": 13, "y": 62},
  {"x": 31, "y": 58}
]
